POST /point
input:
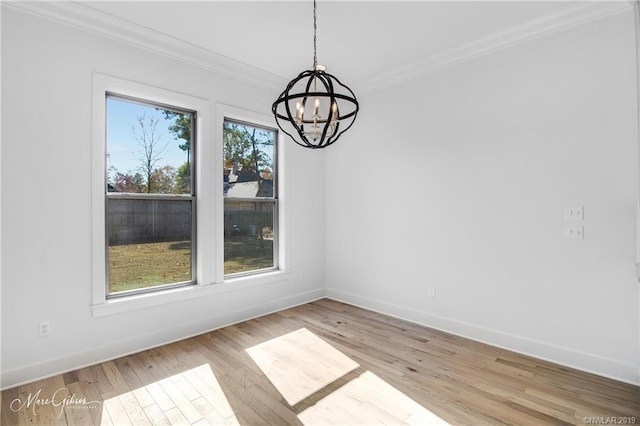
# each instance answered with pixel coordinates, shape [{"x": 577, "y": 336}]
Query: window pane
[
  {"x": 249, "y": 161},
  {"x": 148, "y": 148},
  {"x": 249, "y": 236},
  {"x": 149, "y": 243},
  {"x": 250, "y": 173},
  {"x": 149, "y": 151}
]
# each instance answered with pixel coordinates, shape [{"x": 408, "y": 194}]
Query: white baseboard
[
  {"x": 624, "y": 372},
  {"x": 125, "y": 347},
  {"x": 628, "y": 373}
]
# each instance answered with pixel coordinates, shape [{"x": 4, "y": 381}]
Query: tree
[
  {"x": 244, "y": 148},
  {"x": 125, "y": 182},
  {"x": 149, "y": 140},
  {"x": 163, "y": 179},
  {"x": 182, "y": 183},
  {"x": 181, "y": 129}
]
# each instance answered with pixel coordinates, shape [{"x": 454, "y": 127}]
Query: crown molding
[
  {"x": 580, "y": 13},
  {"x": 78, "y": 15}
]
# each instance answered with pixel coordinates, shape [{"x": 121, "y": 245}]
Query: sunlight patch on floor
[
  {"x": 368, "y": 400},
  {"x": 300, "y": 363},
  {"x": 185, "y": 398}
]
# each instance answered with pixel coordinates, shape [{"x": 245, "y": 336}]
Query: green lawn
[
  {"x": 136, "y": 266},
  {"x": 146, "y": 265},
  {"x": 243, "y": 254}
]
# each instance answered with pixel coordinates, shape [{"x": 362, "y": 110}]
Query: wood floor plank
[
  {"x": 115, "y": 377},
  {"x": 160, "y": 397},
  {"x": 176, "y": 417},
  {"x": 139, "y": 391},
  {"x": 208, "y": 411},
  {"x": 133, "y": 409},
  {"x": 80, "y": 414},
  {"x": 180, "y": 400},
  {"x": 89, "y": 391},
  {"x": 210, "y": 390},
  {"x": 116, "y": 411},
  {"x": 405, "y": 374},
  {"x": 156, "y": 416}
]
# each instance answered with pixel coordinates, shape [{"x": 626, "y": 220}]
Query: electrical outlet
[
  {"x": 431, "y": 292},
  {"x": 44, "y": 328},
  {"x": 574, "y": 232},
  {"x": 574, "y": 213}
]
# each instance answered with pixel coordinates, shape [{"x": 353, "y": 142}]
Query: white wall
[
  {"x": 459, "y": 181},
  {"x": 46, "y": 200}
]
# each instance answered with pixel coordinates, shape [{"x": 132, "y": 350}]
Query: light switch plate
[{"x": 574, "y": 213}]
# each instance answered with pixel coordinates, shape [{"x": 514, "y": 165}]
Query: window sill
[{"x": 162, "y": 297}]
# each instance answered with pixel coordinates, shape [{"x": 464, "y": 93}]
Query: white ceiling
[{"x": 367, "y": 44}]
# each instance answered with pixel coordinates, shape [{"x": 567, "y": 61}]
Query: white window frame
[
  {"x": 227, "y": 112},
  {"x": 209, "y": 279},
  {"x": 191, "y": 197}
]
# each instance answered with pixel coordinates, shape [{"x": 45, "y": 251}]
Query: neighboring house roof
[
  {"x": 252, "y": 189},
  {"x": 242, "y": 190}
]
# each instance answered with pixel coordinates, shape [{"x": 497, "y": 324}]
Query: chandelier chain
[{"x": 315, "y": 28}]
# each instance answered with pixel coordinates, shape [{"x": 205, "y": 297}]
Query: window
[
  {"x": 150, "y": 196},
  {"x": 165, "y": 226},
  {"x": 250, "y": 188}
]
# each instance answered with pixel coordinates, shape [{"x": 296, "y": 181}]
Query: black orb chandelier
[{"x": 316, "y": 108}]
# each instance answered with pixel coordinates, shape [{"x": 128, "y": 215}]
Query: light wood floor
[{"x": 323, "y": 363}]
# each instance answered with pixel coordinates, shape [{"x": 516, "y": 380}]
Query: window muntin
[
  {"x": 250, "y": 198},
  {"x": 150, "y": 196}
]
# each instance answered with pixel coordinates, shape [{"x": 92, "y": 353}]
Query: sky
[{"x": 124, "y": 152}]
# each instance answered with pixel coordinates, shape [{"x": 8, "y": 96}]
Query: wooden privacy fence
[{"x": 144, "y": 221}]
